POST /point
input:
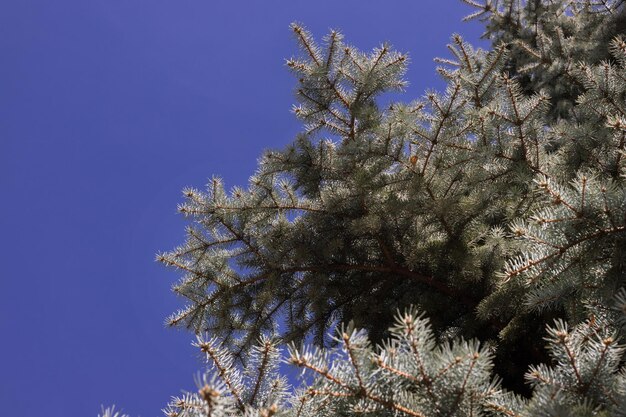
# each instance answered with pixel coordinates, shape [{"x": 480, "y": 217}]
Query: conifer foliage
[{"x": 492, "y": 215}]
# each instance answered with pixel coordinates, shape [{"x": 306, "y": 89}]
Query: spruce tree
[{"x": 468, "y": 246}]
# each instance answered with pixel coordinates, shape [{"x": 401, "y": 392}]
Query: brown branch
[
  {"x": 457, "y": 400},
  {"x": 423, "y": 279},
  {"x": 262, "y": 367}
]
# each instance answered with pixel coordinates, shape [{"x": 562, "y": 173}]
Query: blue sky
[{"x": 108, "y": 108}]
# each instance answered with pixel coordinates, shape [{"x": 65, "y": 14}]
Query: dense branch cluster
[
  {"x": 412, "y": 375},
  {"x": 496, "y": 208}
]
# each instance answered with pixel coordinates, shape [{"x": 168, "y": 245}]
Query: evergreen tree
[{"x": 495, "y": 208}]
